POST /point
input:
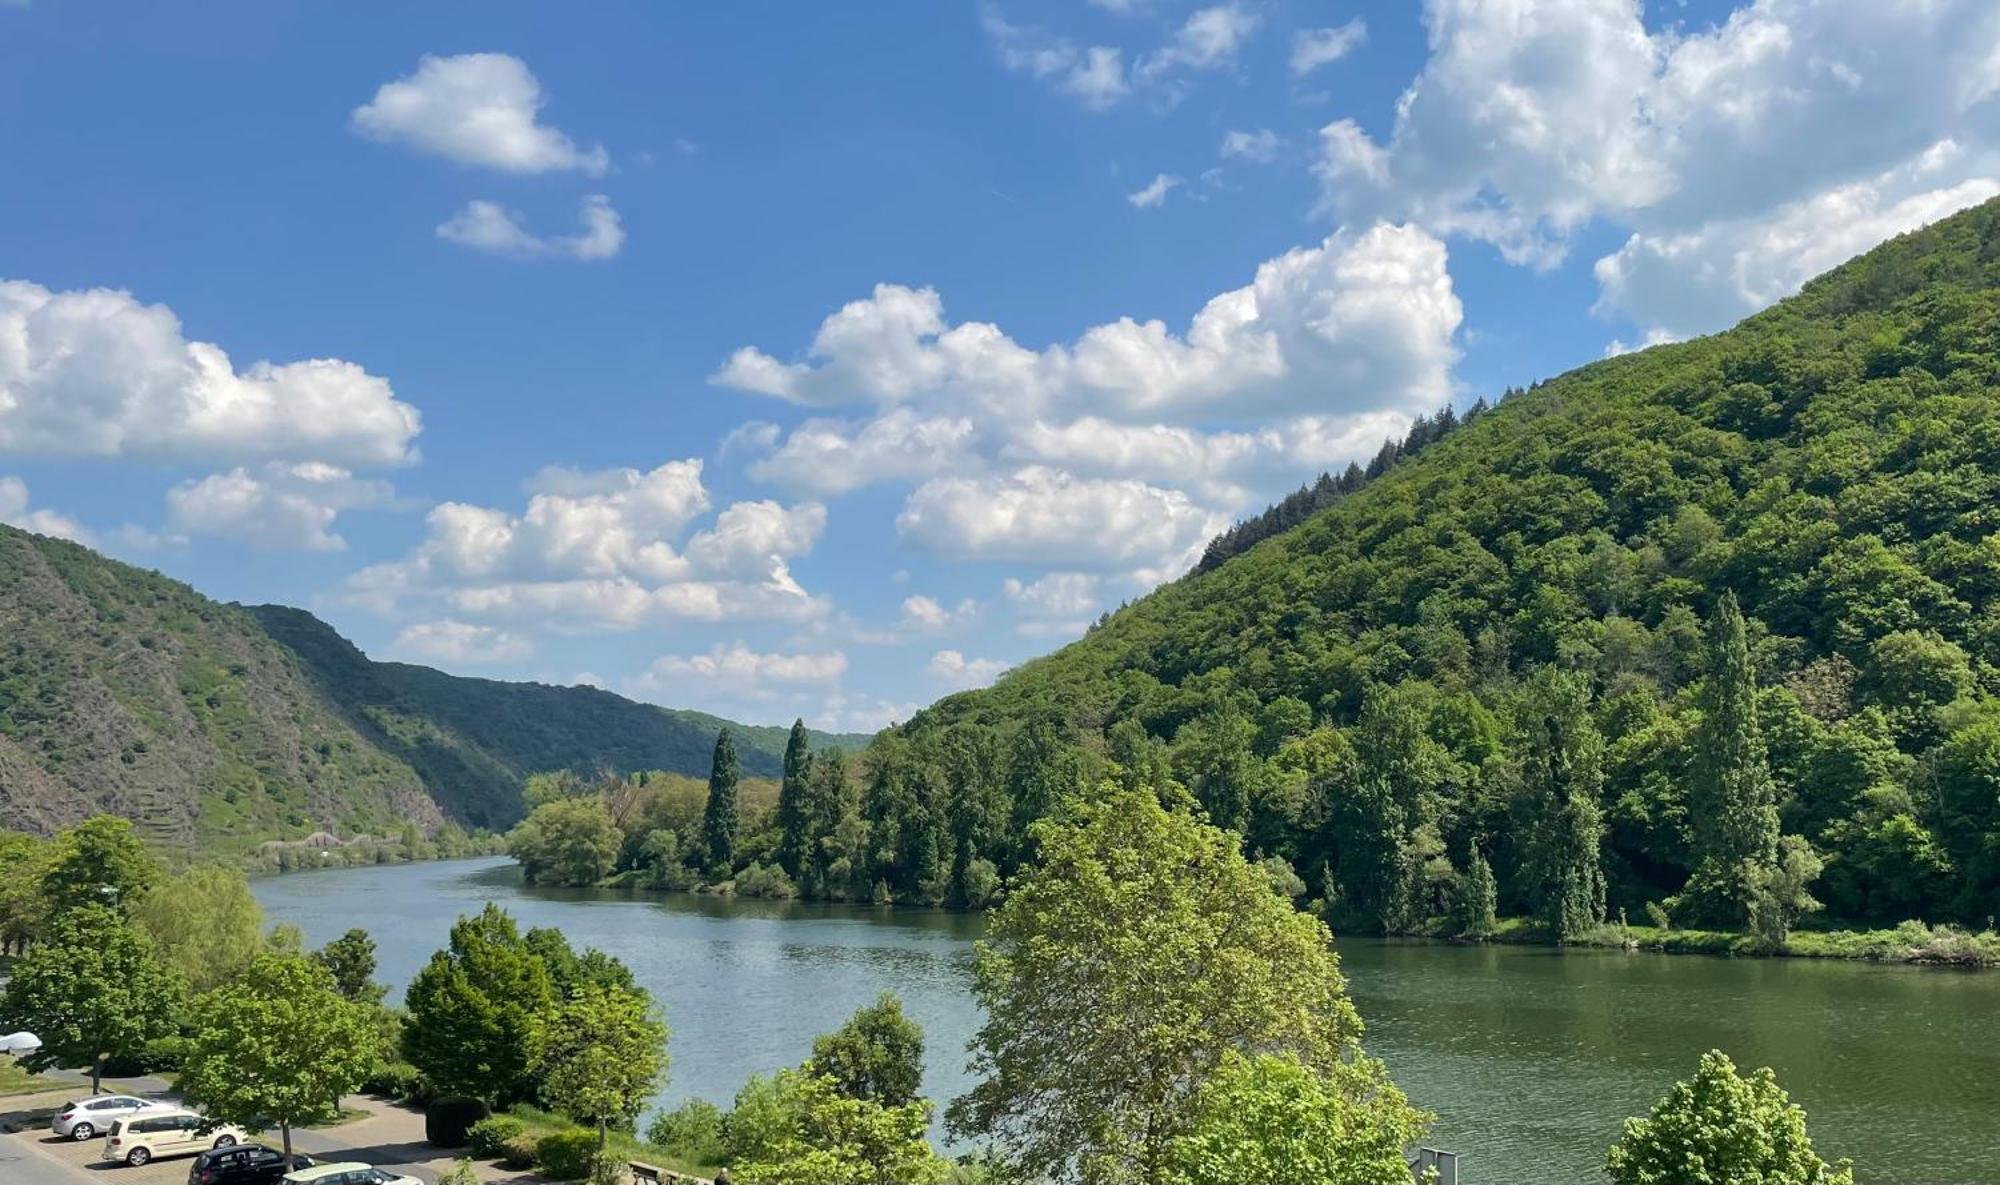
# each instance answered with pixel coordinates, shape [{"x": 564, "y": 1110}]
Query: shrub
[
  {"x": 164, "y": 1054},
  {"x": 461, "y": 1173},
  {"x": 566, "y": 1155},
  {"x": 520, "y": 1152},
  {"x": 488, "y": 1138},
  {"x": 449, "y": 1119},
  {"x": 399, "y": 1080},
  {"x": 761, "y": 880},
  {"x": 691, "y": 1131}
]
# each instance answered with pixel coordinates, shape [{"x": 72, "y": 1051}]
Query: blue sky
[{"x": 822, "y": 359}]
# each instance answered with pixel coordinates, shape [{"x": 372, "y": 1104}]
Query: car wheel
[
  {"x": 225, "y": 1141},
  {"x": 82, "y": 1131},
  {"x": 137, "y": 1157}
]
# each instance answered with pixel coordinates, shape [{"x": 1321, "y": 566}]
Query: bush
[
  {"x": 769, "y": 881},
  {"x": 448, "y": 1120},
  {"x": 566, "y": 1156},
  {"x": 691, "y": 1131},
  {"x": 399, "y": 1080},
  {"x": 164, "y": 1054},
  {"x": 462, "y": 1173},
  {"x": 520, "y": 1152},
  {"x": 489, "y": 1136}
]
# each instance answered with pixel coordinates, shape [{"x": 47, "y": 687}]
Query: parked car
[
  {"x": 351, "y": 1172},
  {"x": 92, "y": 1117},
  {"x": 243, "y": 1164},
  {"x": 166, "y": 1131}
]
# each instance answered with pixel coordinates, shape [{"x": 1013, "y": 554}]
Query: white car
[
  {"x": 88, "y": 1118},
  {"x": 166, "y": 1131},
  {"x": 350, "y": 1172}
]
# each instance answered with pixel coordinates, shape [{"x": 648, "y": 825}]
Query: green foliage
[
  {"x": 720, "y": 819},
  {"x": 567, "y": 841},
  {"x": 1270, "y": 1118},
  {"x": 878, "y": 1055},
  {"x": 449, "y": 1120},
  {"x": 461, "y": 1172},
  {"x": 474, "y": 1008},
  {"x": 204, "y": 923},
  {"x": 94, "y": 987},
  {"x": 765, "y": 881},
  {"x": 279, "y": 1043},
  {"x": 836, "y": 1139},
  {"x": 1477, "y": 898},
  {"x": 691, "y": 1131},
  {"x": 600, "y": 1053},
  {"x": 350, "y": 959},
  {"x": 1123, "y": 967},
  {"x": 488, "y": 1138},
  {"x": 1563, "y": 861},
  {"x": 1721, "y": 1127},
  {"x": 566, "y": 1155},
  {"x": 100, "y": 861}
]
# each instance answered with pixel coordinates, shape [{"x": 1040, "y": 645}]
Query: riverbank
[{"x": 1911, "y": 942}]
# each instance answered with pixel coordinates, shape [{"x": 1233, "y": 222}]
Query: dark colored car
[{"x": 243, "y": 1164}]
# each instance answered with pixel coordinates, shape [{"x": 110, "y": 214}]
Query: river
[{"x": 1530, "y": 1057}]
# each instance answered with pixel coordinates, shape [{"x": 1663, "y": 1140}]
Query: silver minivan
[{"x": 166, "y": 1131}]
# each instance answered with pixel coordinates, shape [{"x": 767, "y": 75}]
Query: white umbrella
[{"x": 20, "y": 1043}]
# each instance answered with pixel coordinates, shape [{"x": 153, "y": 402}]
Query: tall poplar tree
[
  {"x": 1734, "y": 801},
  {"x": 795, "y": 836},
  {"x": 718, "y": 821},
  {"x": 1564, "y": 776}
]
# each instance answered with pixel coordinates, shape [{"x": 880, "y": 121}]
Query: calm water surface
[{"x": 1530, "y": 1057}]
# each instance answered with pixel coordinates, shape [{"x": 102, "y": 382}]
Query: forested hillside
[
  {"x": 1511, "y": 671},
  {"x": 216, "y": 726}
]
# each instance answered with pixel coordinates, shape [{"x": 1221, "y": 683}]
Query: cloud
[
  {"x": 923, "y": 614},
  {"x": 1049, "y": 518},
  {"x": 1313, "y": 48},
  {"x": 1678, "y": 285},
  {"x": 1532, "y": 118},
  {"x": 459, "y": 642},
  {"x": 276, "y": 508},
  {"x": 827, "y": 458},
  {"x": 1154, "y": 192},
  {"x": 1209, "y": 40},
  {"x": 486, "y": 226},
  {"x": 961, "y": 673},
  {"x": 1367, "y": 319},
  {"x": 741, "y": 668},
  {"x": 598, "y": 550},
  {"x": 478, "y": 109},
  {"x": 1260, "y": 146},
  {"x": 1094, "y": 76},
  {"x": 94, "y": 373},
  {"x": 1060, "y": 604},
  {"x": 15, "y": 513}
]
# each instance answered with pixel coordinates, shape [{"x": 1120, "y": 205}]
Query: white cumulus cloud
[
  {"x": 95, "y": 373},
  {"x": 959, "y": 673},
  {"x": 1049, "y": 518},
  {"x": 15, "y": 512},
  {"x": 1313, "y": 48},
  {"x": 478, "y": 109},
  {"x": 274, "y": 508},
  {"x": 461, "y": 642}
]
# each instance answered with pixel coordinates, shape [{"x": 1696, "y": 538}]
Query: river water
[{"x": 1530, "y": 1057}]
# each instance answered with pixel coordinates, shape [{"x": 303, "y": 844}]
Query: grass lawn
[{"x": 15, "y": 1080}]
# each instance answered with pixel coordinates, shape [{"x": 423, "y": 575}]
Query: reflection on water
[{"x": 1531, "y": 1057}]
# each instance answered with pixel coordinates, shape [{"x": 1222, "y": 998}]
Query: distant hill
[{"x": 216, "y": 726}]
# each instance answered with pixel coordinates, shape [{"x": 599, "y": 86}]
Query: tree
[
  {"x": 568, "y": 971},
  {"x": 1268, "y": 1118},
  {"x": 1778, "y": 890},
  {"x": 795, "y": 837},
  {"x": 1564, "y": 777},
  {"x": 1141, "y": 949},
  {"x": 718, "y": 820},
  {"x": 281, "y": 1044},
  {"x": 350, "y": 959},
  {"x": 832, "y": 1138},
  {"x": 568, "y": 841},
  {"x": 99, "y": 861},
  {"x": 95, "y": 991},
  {"x": 600, "y": 1054},
  {"x": 473, "y": 1010},
  {"x": 877, "y": 1056},
  {"x": 1735, "y": 803},
  {"x": 204, "y": 923},
  {"x": 1477, "y": 898},
  {"x": 1722, "y": 1128},
  {"x": 23, "y": 909}
]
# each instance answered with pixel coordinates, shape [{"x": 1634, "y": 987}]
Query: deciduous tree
[
  {"x": 94, "y": 991},
  {"x": 1722, "y": 1127}
]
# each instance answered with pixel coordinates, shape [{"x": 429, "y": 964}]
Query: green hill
[
  {"x": 1491, "y": 641},
  {"x": 216, "y": 726}
]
